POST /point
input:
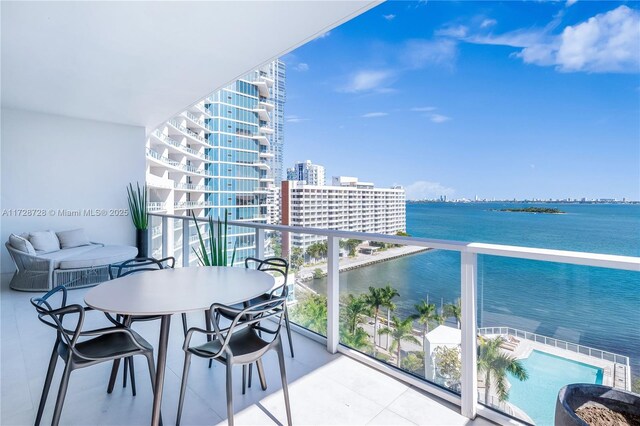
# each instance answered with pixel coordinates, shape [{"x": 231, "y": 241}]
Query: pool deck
[{"x": 611, "y": 377}]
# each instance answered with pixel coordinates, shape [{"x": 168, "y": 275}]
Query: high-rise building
[
  {"x": 348, "y": 205},
  {"x": 216, "y": 158},
  {"x": 277, "y": 72},
  {"x": 311, "y": 174}
]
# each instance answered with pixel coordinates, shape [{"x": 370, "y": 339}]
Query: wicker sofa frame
[{"x": 35, "y": 273}]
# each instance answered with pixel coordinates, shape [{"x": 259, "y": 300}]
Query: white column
[
  {"x": 333, "y": 295},
  {"x": 259, "y": 243},
  {"x": 185, "y": 243},
  {"x": 469, "y": 379},
  {"x": 165, "y": 236}
]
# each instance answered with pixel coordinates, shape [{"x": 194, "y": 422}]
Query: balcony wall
[{"x": 51, "y": 162}]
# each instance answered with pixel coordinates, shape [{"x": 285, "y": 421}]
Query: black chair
[
  {"x": 134, "y": 266},
  {"x": 241, "y": 343},
  {"x": 100, "y": 345}
]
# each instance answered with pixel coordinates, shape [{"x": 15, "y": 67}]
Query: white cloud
[
  {"x": 422, "y": 189},
  {"x": 420, "y": 53},
  {"x": 439, "y": 118},
  {"x": 374, "y": 114},
  {"x": 424, "y": 109},
  {"x": 368, "y": 81},
  {"x": 323, "y": 35},
  {"x": 570, "y": 3},
  {"x": 607, "y": 42},
  {"x": 295, "y": 119},
  {"x": 302, "y": 67},
  {"x": 488, "y": 23},
  {"x": 389, "y": 17},
  {"x": 457, "y": 31}
]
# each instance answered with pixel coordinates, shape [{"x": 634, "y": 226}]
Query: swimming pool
[{"x": 547, "y": 374}]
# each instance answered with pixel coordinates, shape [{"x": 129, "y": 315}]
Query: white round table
[{"x": 169, "y": 291}]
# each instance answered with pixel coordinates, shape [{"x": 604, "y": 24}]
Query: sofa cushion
[
  {"x": 73, "y": 238},
  {"x": 60, "y": 255},
  {"x": 44, "y": 241},
  {"x": 21, "y": 243},
  {"x": 99, "y": 256}
]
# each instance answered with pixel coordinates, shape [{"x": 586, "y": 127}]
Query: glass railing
[
  {"x": 188, "y": 131},
  {"x": 495, "y": 329}
]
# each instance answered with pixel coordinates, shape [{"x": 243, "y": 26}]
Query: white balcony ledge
[{"x": 324, "y": 388}]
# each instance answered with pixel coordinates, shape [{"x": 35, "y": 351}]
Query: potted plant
[
  {"x": 217, "y": 254},
  {"x": 137, "y": 199},
  {"x": 585, "y": 404}
]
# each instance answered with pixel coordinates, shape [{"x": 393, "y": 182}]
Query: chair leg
[
  {"x": 229, "y": 395},
  {"x": 283, "y": 377},
  {"x": 244, "y": 379},
  {"x": 184, "y": 324},
  {"x": 47, "y": 382},
  {"x": 250, "y": 375},
  {"x": 133, "y": 375},
  {"x": 263, "y": 379},
  {"x": 288, "y": 326},
  {"x": 125, "y": 373},
  {"x": 62, "y": 392},
  {"x": 114, "y": 374},
  {"x": 183, "y": 385}
]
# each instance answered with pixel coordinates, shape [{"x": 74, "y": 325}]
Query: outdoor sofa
[{"x": 46, "y": 259}]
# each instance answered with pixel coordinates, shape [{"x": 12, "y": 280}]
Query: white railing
[
  {"x": 154, "y": 206},
  {"x": 164, "y": 138},
  {"x": 189, "y": 132},
  {"x": 556, "y": 343},
  {"x": 468, "y": 400}
]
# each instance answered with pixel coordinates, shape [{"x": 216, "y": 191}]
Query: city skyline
[{"x": 505, "y": 101}]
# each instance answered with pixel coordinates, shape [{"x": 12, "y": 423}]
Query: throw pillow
[
  {"x": 21, "y": 243},
  {"x": 73, "y": 238},
  {"x": 44, "y": 241}
]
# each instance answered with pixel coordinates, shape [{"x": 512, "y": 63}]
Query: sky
[{"x": 490, "y": 99}]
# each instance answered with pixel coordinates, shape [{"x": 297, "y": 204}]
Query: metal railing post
[
  {"x": 333, "y": 295},
  {"x": 185, "y": 242},
  {"x": 165, "y": 236},
  {"x": 259, "y": 243},
  {"x": 469, "y": 378}
]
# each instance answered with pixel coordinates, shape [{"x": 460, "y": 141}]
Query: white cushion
[
  {"x": 73, "y": 238},
  {"x": 21, "y": 243},
  {"x": 44, "y": 241},
  {"x": 99, "y": 256},
  {"x": 58, "y": 256}
]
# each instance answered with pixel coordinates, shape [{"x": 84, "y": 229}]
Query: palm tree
[
  {"x": 495, "y": 364},
  {"x": 376, "y": 298},
  {"x": 359, "y": 339},
  {"x": 426, "y": 313},
  {"x": 454, "y": 310},
  {"x": 389, "y": 294},
  {"x": 354, "y": 309},
  {"x": 401, "y": 330}
]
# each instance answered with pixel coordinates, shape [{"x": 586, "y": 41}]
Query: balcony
[{"x": 473, "y": 270}]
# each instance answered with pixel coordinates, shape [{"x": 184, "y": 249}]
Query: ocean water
[{"x": 594, "y": 307}]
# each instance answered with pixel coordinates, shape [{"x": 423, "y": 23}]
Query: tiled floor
[{"x": 324, "y": 388}]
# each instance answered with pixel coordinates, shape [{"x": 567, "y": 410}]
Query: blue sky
[{"x": 510, "y": 99}]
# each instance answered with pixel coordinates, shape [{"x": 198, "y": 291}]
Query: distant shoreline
[{"x": 540, "y": 210}]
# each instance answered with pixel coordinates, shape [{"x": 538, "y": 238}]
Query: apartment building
[
  {"x": 347, "y": 204},
  {"x": 307, "y": 172},
  {"x": 220, "y": 156}
]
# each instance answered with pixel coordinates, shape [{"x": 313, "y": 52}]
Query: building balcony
[
  {"x": 263, "y": 114},
  {"x": 176, "y": 146},
  {"x": 195, "y": 120},
  {"x": 266, "y": 130},
  {"x": 182, "y": 130}
]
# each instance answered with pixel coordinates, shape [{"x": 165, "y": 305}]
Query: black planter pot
[
  {"x": 572, "y": 397},
  {"x": 142, "y": 242}
]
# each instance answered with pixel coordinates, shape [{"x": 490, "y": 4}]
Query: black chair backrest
[
  {"x": 54, "y": 316},
  {"x": 270, "y": 264},
  {"x": 140, "y": 264},
  {"x": 253, "y": 316}
]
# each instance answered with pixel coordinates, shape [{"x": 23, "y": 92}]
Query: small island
[{"x": 545, "y": 210}]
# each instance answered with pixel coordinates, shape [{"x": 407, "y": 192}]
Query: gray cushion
[
  {"x": 44, "y": 241},
  {"x": 73, "y": 238},
  {"x": 21, "y": 243},
  {"x": 60, "y": 255},
  {"x": 99, "y": 256}
]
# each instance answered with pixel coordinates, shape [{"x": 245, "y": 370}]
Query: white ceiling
[{"x": 140, "y": 63}]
